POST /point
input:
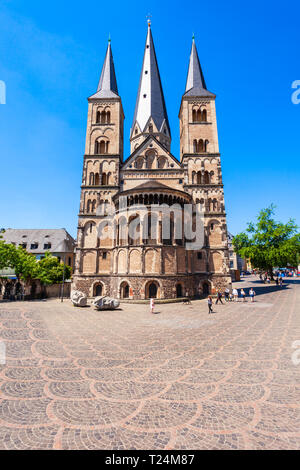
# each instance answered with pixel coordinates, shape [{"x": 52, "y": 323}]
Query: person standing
[
  {"x": 227, "y": 294},
  {"x": 219, "y": 297},
  {"x": 152, "y": 305},
  {"x": 280, "y": 281},
  {"x": 252, "y": 294},
  {"x": 243, "y": 294},
  {"x": 209, "y": 303},
  {"x": 235, "y": 294}
]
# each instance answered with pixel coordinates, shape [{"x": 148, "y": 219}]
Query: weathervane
[{"x": 149, "y": 19}]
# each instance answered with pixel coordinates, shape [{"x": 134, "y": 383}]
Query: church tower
[
  {"x": 150, "y": 115},
  {"x": 101, "y": 169},
  {"x": 200, "y": 158}
]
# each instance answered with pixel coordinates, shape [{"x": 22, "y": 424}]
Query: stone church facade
[{"x": 151, "y": 263}]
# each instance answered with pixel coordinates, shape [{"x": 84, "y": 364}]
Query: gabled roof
[
  {"x": 60, "y": 239},
  {"x": 195, "y": 83},
  {"x": 145, "y": 143},
  {"x": 107, "y": 87},
  {"x": 150, "y": 100}
]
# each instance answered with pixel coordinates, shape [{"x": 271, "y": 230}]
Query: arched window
[
  {"x": 88, "y": 207},
  {"x": 108, "y": 117},
  {"x": 103, "y": 117},
  {"x": 199, "y": 115},
  {"x": 96, "y": 147},
  {"x": 206, "y": 145},
  {"x": 106, "y": 147},
  {"x": 94, "y": 205},
  {"x": 104, "y": 179},
  {"x": 194, "y": 115},
  {"x": 204, "y": 115},
  {"x": 200, "y": 146},
  {"x": 102, "y": 146},
  {"x": 199, "y": 177},
  {"x": 206, "y": 178},
  {"x": 150, "y": 128},
  {"x": 98, "y": 117},
  {"x": 97, "y": 179},
  {"x": 195, "y": 146},
  {"x": 91, "y": 179}
]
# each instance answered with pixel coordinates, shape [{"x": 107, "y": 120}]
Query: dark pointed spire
[
  {"x": 195, "y": 84},
  {"x": 107, "y": 87},
  {"x": 150, "y": 102}
]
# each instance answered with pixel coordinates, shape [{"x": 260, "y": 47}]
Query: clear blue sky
[{"x": 51, "y": 58}]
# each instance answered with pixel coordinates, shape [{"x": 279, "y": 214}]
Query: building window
[
  {"x": 69, "y": 261},
  {"x": 47, "y": 246},
  {"x": 104, "y": 255},
  {"x": 212, "y": 226},
  {"x": 199, "y": 255},
  {"x": 23, "y": 245},
  {"x": 34, "y": 246}
]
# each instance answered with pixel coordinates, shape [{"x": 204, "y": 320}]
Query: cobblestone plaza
[{"x": 182, "y": 379}]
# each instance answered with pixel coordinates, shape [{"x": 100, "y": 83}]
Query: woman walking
[
  {"x": 252, "y": 294},
  {"x": 243, "y": 294},
  {"x": 235, "y": 294},
  {"x": 209, "y": 303}
]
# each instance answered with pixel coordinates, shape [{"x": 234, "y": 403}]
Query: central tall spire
[{"x": 150, "y": 114}]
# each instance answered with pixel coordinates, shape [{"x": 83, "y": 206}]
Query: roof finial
[
  {"x": 149, "y": 19},
  {"x": 109, "y": 40},
  {"x": 193, "y": 37}
]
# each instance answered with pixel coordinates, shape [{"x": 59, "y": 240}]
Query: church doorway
[
  {"x": 124, "y": 290},
  {"x": 179, "y": 290},
  {"x": 98, "y": 290},
  {"x": 152, "y": 291},
  {"x": 205, "y": 289}
]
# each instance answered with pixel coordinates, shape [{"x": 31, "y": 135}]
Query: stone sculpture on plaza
[
  {"x": 105, "y": 303},
  {"x": 79, "y": 299}
]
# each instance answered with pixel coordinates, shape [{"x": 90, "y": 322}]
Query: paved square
[{"x": 181, "y": 379}]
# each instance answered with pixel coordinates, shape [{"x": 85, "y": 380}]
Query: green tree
[
  {"x": 51, "y": 271},
  {"x": 268, "y": 243},
  {"x": 20, "y": 260}
]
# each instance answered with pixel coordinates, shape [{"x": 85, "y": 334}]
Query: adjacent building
[
  {"x": 57, "y": 241},
  {"x": 151, "y": 264}
]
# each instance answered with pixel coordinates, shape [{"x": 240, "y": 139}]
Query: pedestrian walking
[
  {"x": 231, "y": 297},
  {"x": 152, "y": 305},
  {"x": 227, "y": 292},
  {"x": 280, "y": 282},
  {"x": 219, "y": 297},
  {"x": 243, "y": 294},
  {"x": 252, "y": 294},
  {"x": 209, "y": 303},
  {"x": 235, "y": 295}
]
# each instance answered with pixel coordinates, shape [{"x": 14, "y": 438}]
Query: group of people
[
  {"x": 230, "y": 296},
  {"x": 265, "y": 278}
]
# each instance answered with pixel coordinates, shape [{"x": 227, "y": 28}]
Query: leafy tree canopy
[
  {"x": 268, "y": 243},
  {"x": 48, "y": 270},
  {"x": 51, "y": 271}
]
